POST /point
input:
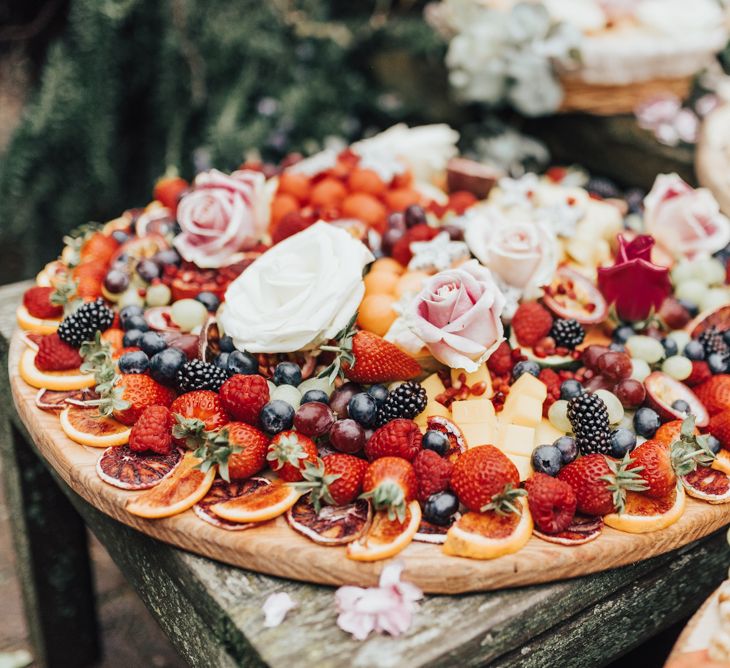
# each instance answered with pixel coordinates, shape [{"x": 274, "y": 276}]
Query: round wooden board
[
  {"x": 276, "y": 549},
  {"x": 712, "y": 158}
]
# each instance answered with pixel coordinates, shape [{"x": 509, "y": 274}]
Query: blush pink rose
[
  {"x": 457, "y": 316},
  {"x": 221, "y": 216},
  {"x": 683, "y": 220}
]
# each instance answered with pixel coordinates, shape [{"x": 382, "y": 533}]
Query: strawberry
[
  {"x": 56, "y": 355},
  {"x": 402, "y": 248},
  {"x": 655, "y": 459},
  {"x": 197, "y": 412},
  {"x": 140, "y": 391},
  {"x": 551, "y": 501},
  {"x": 433, "y": 473},
  {"x": 153, "y": 431},
  {"x": 168, "y": 191},
  {"x": 670, "y": 432},
  {"x": 599, "y": 483},
  {"x": 244, "y": 397},
  {"x": 335, "y": 479},
  {"x": 250, "y": 448},
  {"x": 715, "y": 393},
  {"x": 390, "y": 483},
  {"x": 500, "y": 362},
  {"x": 700, "y": 373},
  {"x": 530, "y": 323},
  {"x": 397, "y": 438},
  {"x": 720, "y": 427},
  {"x": 288, "y": 454},
  {"x": 37, "y": 301},
  {"x": 482, "y": 474},
  {"x": 99, "y": 246}
]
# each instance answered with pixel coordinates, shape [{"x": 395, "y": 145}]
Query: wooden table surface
[{"x": 212, "y": 612}]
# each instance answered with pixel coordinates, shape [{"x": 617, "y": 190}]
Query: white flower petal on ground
[{"x": 276, "y": 607}]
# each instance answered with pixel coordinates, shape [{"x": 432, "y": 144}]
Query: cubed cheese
[
  {"x": 513, "y": 436},
  {"x": 523, "y": 464},
  {"x": 546, "y": 433},
  {"x": 481, "y": 375},
  {"x": 472, "y": 411},
  {"x": 433, "y": 386},
  {"x": 483, "y": 433},
  {"x": 528, "y": 384},
  {"x": 522, "y": 409}
]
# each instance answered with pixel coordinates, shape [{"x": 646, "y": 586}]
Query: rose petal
[{"x": 276, "y": 607}]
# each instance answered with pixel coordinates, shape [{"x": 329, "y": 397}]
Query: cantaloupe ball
[
  {"x": 328, "y": 193},
  {"x": 380, "y": 283},
  {"x": 376, "y": 314},
  {"x": 281, "y": 205},
  {"x": 387, "y": 264},
  {"x": 364, "y": 207},
  {"x": 296, "y": 185},
  {"x": 366, "y": 181},
  {"x": 401, "y": 198},
  {"x": 411, "y": 282}
]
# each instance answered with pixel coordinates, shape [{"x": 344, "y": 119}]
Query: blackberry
[
  {"x": 83, "y": 325},
  {"x": 199, "y": 375},
  {"x": 567, "y": 333},
  {"x": 406, "y": 401},
  {"x": 713, "y": 342},
  {"x": 588, "y": 416}
]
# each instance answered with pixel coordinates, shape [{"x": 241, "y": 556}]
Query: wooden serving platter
[{"x": 275, "y": 549}]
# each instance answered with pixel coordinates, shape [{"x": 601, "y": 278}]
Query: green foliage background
[{"x": 132, "y": 87}]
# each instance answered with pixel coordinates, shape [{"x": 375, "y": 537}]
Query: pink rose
[
  {"x": 457, "y": 316},
  {"x": 221, "y": 216},
  {"x": 683, "y": 220}
]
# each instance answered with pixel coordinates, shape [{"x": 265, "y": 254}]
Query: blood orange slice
[
  {"x": 457, "y": 442},
  {"x": 84, "y": 425},
  {"x": 489, "y": 535},
  {"x": 225, "y": 491},
  {"x": 722, "y": 462},
  {"x": 51, "y": 380},
  {"x": 385, "y": 537},
  {"x": 181, "y": 490},
  {"x": 582, "y": 529},
  {"x": 333, "y": 525},
  {"x": 57, "y": 400},
  {"x": 432, "y": 533},
  {"x": 263, "y": 504},
  {"x": 30, "y": 323},
  {"x": 708, "y": 484},
  {"x": 643, "y": 514},
  {"x": 126, "y": 469}
]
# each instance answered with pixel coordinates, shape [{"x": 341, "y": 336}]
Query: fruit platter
[{"x": 388, "y": 351}]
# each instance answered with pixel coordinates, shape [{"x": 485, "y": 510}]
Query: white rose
[{"x": 299, "y": 293}]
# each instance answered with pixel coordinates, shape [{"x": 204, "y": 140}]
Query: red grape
[
  {"x": 341, "y": 398},
  {"x": 347, "y": 436},
  {"x": 615, "y": 365},
  {"x": 630, "y": 392},
  {"x": 314, "y": 419},
  {"x": 592, "y": 354}
]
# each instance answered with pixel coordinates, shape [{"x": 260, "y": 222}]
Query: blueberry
[
  {"x": 167, "y": 257},
  {"x": 569, "y": 389},
  {"x": 152, "y": 343},
  {"x": 221, "y": 361},
  {"x": 440, "y": 508},
  {"x": 616, "y": 347},
  {"x": 622, "y": 441},
  {"x": 713, "y": 443},
  {"x": 209, "y": 300},
  {"x": 547, "y": 459},
  {"x": 287, "y": 373},
  {"x": 690, "y": 307},
  {"x": 414, "y": 215},
  {"x": 379, "y": 393},
  {"x": 681, "y": 405},
  {"x": 165, "y": 365},
  {"x": 694, "y": 351},
  {"x": 135, "y": 322},
  {"x": 568, "y": 448},
  {"x": 134, "y": 362},
  {"x": 226, "y": 344},
  {"x": 526, "y": 366},
  {"x": 148, "y": 270},
  {"x": 726, "y": 336},
  {"x": 244, "y": 363},
  {"x": 717, "y": 363},
  {"x": 276, "y": 416},
  {"x": 622, "y": 333},
  {"x": 646, "y": 422},
  {"x": 128, "y": 312},
  {"x": 315, "y": 396},
  {"x": 131, "y": 338},
  {"x": 363, "y": 409},
  {"x": 436, "y": 441},
  {"x": 670, "y": 347}
]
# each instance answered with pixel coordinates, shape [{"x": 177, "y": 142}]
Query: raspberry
[
  {"x": 700, "y": 373},
  {"x": 243, "y": 397},
  {"x": 37, "y": 301},
  {"x": 433, "y": 473},
  {"x": 531, "y": 323},
  {"x": 398, "y": 438},
  {"x": 550, "y": 378},
  {"x": 552, "y": 503},
  {"x": 153, "y": 431},
  {"x": 500, "y": 362},
  {"x": 402, "y": 248},
  {"x": 55, "y": 355}
]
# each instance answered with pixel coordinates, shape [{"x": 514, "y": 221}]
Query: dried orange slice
[
  {"x": 176, "y": 493},
  {"x": 225, "y": 491},
  {"x": 708, "y": 484},
  {"x": 32, "y": 324},
  {"x": 385, "y": 537},
  {"x": 643, "y": 514},
  {"x": 72, "y": 379},
  {"x": 84, "y": 425},
  {"x": 489, "y": 535},
  {"x": 263, "y": 504},
  {"x": 722, "y": 461},
  {"x": 126, "y": 469}
]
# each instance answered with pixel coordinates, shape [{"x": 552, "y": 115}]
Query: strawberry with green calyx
[
  {"x": 189, "y": 431},
  {"x": 76, "y": 239},
  {"x": 390, "y": 483},
  {"x": 65, "y": 295},
  {"x": 505, "y": 502},
  {"x": 690, "y": 450},
  {"x": 364, "y": 357},
  {"x": 216, "y": 450},
  {"x": 288, "y": 453},
  {"x": 97, "y": 355},
  {"x": 334, "y": 480}
]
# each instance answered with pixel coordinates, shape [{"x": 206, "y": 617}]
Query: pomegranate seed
[{"x": 479, "y": 388}]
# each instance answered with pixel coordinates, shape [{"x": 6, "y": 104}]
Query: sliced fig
[
  {"x": 582, "y": 530},
  {"x": 457, "y": 442},
  {"x": 662, "y": 391},
  {"x": 433, "y": 533},
  {"x": 225, "y": 491},
  {"x": 573, "y": 295},
  {"x": 472, "y": 176},
  {"x": 123, "y": 468},
  {"x": 708, "y": 484},
  {"x": 333, "y": 525},
  {"x": 719, "y": 317}
]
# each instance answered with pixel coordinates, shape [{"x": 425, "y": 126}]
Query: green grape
[{"x": 188, "y": 314}]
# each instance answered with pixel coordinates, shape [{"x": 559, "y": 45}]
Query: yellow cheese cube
[
  {"x": 515, "y": 446},
  {"x": 512, "y": 436},
  {"x": 432, "y": 408},
  {"x": 528, "y": 384},
  {"x": 433, "y": 386},
  {"x": 481, "y": 375},
  {"x": 472, "y": 411},
  {"x": 523, "y": 464},
  {"x": 484, "y": 433},
  {"x": 522, "y": 409},
  {"x": 546, "y": 433}
]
